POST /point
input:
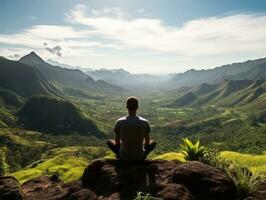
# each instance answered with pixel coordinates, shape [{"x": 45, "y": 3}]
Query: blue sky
[{"x": 151, "y": 36}]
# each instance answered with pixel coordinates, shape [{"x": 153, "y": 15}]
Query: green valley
[{"x": 53, "y": 125}]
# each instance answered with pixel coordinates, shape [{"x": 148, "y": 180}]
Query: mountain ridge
[
  {"x": 225, "y": 93},
  {"x": 249, "y": 70},
  {"x": 65, "y": 77}
]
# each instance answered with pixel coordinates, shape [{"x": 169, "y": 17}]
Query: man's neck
[{"x": 132, "y": 113}]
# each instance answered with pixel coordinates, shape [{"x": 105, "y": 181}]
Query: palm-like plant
[{"x": 192, "y": 151}]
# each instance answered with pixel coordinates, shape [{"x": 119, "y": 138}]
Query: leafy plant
[
  {"x": 142, "y": 196},
  {"x": 192, "y": 151},
  {"x": 246, "y": 183},
  {"x": 213, "y": 157}
]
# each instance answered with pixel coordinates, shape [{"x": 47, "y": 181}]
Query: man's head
[{"x": 132, "y": 104}]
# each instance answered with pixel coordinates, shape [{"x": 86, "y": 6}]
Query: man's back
[{"x": 132, "y": 130}]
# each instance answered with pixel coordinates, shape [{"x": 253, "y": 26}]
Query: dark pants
[{"x": 115, "y": 148}]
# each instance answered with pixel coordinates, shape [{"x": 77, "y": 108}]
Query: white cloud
[
  {"x": 202, "y": 42},
  {"x": 238, "y": 33}
]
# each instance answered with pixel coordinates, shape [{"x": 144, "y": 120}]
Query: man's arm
[
  {"x": 147, "y": 134},
  {"x": 117, "y": 133}
]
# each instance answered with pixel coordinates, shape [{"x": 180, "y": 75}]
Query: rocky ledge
[{"x": 111, "y": 180}]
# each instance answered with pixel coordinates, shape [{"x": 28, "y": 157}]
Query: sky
[{"x": 140, "y": 36}]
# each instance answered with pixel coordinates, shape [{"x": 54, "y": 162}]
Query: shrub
[
  {"x": 192, "y": 151},
  {"x": 213, "y": 157},
  {"x": 246, "y": 183}
]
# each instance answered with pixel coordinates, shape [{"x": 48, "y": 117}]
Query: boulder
[
  {"x": 204, "y": 181},
  {"x": 10, "y": 188},
  {"x": 163, "y": 179},
  {"x": 174, "y": 192}
]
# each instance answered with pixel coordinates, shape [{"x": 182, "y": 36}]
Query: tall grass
[{"x": 246, "y": 183}]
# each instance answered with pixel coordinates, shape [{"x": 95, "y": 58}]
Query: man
[{"x": 130, "y": 133}]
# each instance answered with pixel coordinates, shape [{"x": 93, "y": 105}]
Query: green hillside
[
  {"x": 6, "y": 118},
  {"x": 256, "y": 163},
  {"x": 228, "y": 93},
  {"x": 55, "y": 116},
  {"x": 10, "y": 98},
  {"x": 68, "y": 162}
]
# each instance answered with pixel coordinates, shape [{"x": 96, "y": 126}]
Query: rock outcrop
[
  {"x": 170, "y": 180},
  {"x": 114, "y": 180},
  {"x": 10, "y": 189}
]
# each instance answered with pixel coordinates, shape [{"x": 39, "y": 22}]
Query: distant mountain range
[
  {"x": 132, "y": 82},
  {"x": 226, "y": 93},
  {"x": 249, "y": 70},
  {"x": 31, "y": 75},
  {"x": 24, "y": 80}
]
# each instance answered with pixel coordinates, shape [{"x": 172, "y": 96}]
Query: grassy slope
[
  {"x": 170, "y": 156},
  {"x": 256, "y": 163},
  {"x": 68, "y": 162}
]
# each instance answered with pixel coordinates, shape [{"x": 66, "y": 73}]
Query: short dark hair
[{"x": 132, "y": 103}]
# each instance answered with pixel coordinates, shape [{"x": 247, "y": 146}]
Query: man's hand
[{"x": 147, "y": 139}]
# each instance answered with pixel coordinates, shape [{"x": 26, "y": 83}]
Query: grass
[
  {"x": 245, "y": 182},
  {"x": 256, "y": 163},
  {"x": 170, "y": 156},
  {"x": 69, "y": 163}
]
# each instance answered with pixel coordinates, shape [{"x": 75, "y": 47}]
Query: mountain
[
  {"x": 10, "y": 98},
  {"x": 55, "y": 116},
  {"x": 249, "y": 70},
  {"x": 132, "y": 82},
  {"x": 55, "y": 63},
  {"x": 226, "y": 93},
  {"x": 186, "y": 99},
  {"x": 24, "y": 80},
  {"x": 64, "y": 77}
]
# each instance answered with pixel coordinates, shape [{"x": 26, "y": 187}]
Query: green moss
[
  {"x": 256, "y": 163},
  {"x": 170, "y": 156}
]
